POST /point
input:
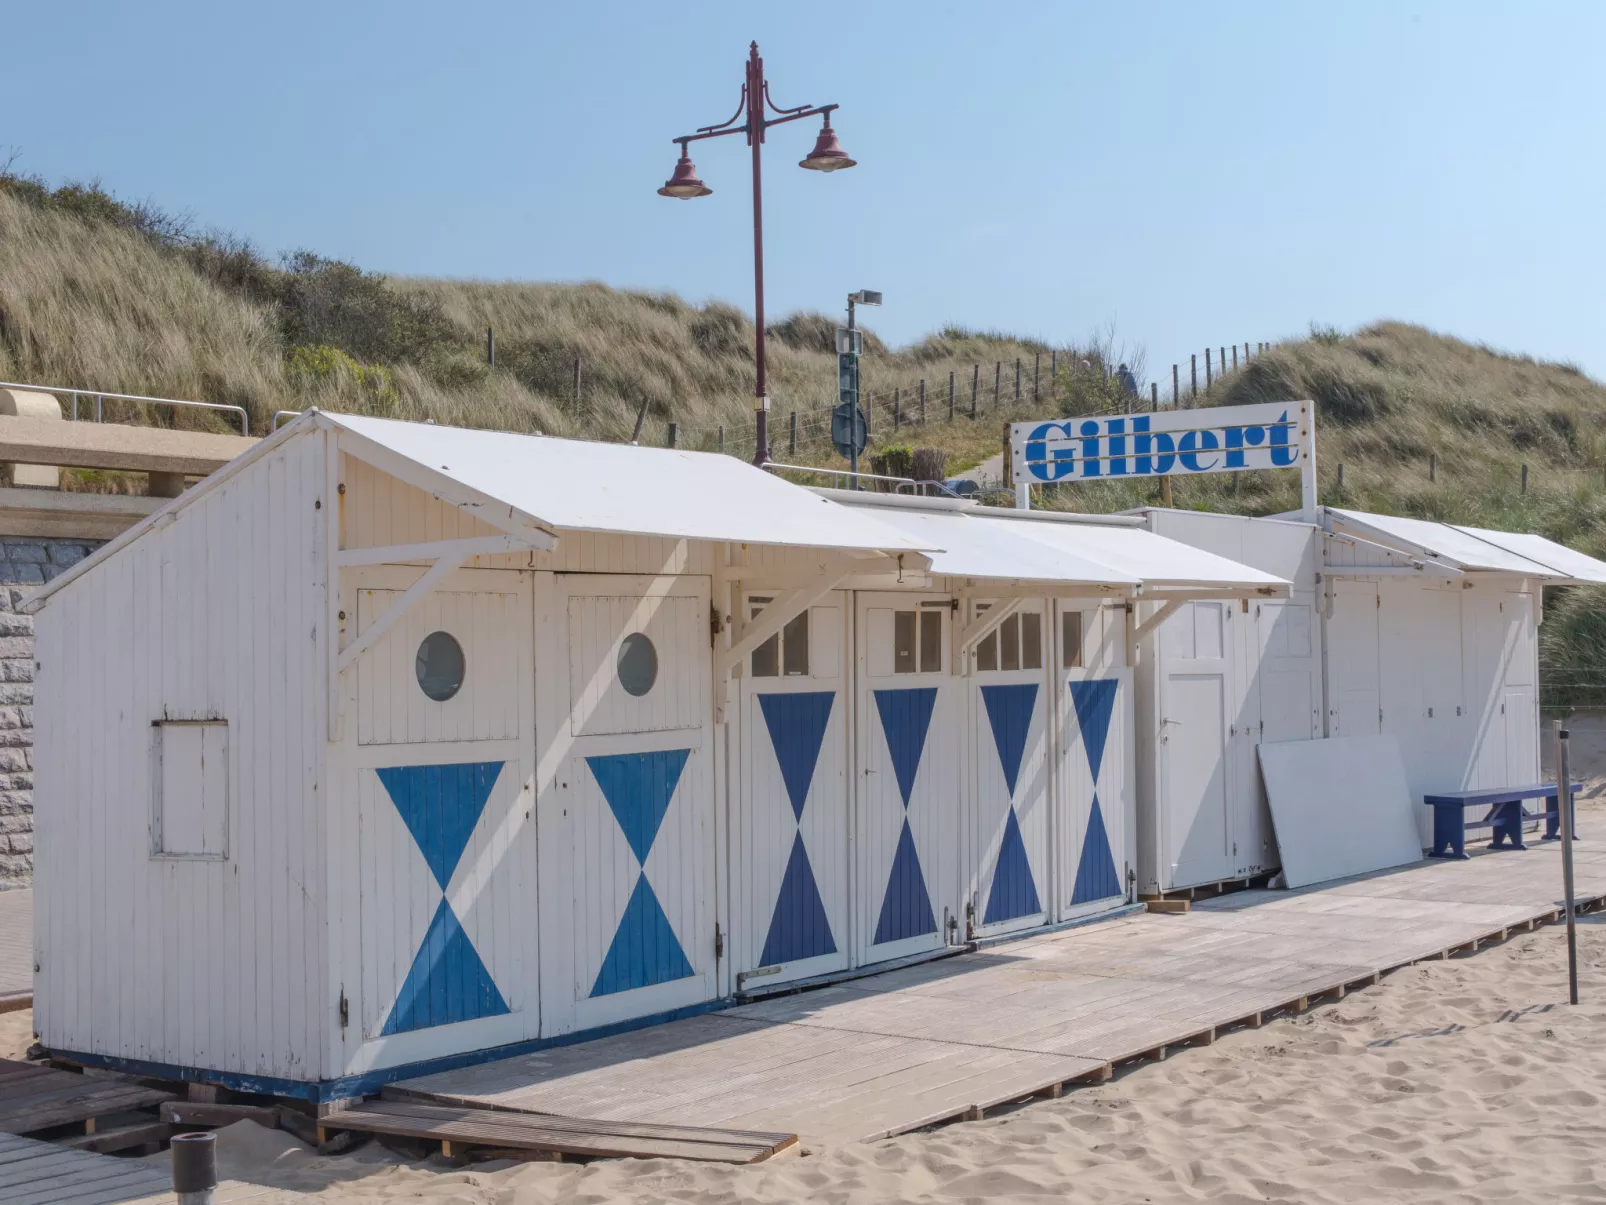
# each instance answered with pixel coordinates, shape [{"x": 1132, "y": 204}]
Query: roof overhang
[{"x": 1468, "y": 550}]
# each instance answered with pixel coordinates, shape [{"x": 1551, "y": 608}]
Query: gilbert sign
[{"x": 1215, "y": 439}]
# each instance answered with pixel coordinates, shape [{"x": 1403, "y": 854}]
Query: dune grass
[{"x": 98, "y": 293}]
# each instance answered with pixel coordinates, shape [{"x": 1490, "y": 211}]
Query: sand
[{"x": 1467, "y": 1080}]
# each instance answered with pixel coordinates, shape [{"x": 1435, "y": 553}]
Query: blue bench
[{"x": 1506, "y": 816}]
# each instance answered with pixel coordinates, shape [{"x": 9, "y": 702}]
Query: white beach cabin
[
  {"x": 1423, "y": 630},
  {"x": 393, "y": 747},
  {"x": 289, "y": 778}
]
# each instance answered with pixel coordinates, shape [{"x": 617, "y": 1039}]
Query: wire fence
[{"x": 1573, "y": 688}]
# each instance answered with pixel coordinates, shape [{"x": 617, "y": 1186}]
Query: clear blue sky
[{"x": 1192, "y": 173}]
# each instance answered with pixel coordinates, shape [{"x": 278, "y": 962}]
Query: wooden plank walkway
[
  {"x": 458, "y": 1128},
  {"x": 949, "y": 1039},
  {"x": 34, "y": 1097},
  {"x": 41, "y": 1173}
]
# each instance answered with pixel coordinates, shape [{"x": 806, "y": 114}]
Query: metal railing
[
  {"x": 101, "y": 397},
  {"x": 285, "y": 415},
  {"x": 901, "y": 485}
]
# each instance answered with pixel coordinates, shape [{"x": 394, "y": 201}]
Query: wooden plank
[
  {"x": 115, "y": 446},
  {"x": 120, "y": 1138},
  {"x": 523, "y": 1131}
]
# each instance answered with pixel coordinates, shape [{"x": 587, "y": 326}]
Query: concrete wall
[{"x": 25, "y": 562}]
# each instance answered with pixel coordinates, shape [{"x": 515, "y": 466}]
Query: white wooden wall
[{"x": 217, "y": 614}]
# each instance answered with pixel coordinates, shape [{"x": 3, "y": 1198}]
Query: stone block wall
[{"x": 24, "y": 563}]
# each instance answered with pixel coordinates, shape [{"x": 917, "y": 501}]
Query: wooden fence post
[
  {"x": 722, "y": 439},
  {"x": 1341, "y": 477},
  {"x": 490, "y": 346},
  {"x": 1154, "y": 395},
  {"x": 577, "y": 378},
  {"x": 1223, "y": 361},
  {"x": 1174, "y": 390},
  {"x": 1053, "y": 365},
  {"x": 975, "y": 387},
  {"x": 1433, "y": 466},
  {"x": 950, "y": 395},
  {"x": 998, "y": 378},
  {"x": 791, "y": 439},
  {"x": 1037, "y": 366},
  {"x": 1165, "y": 492},
  {"x": 1193, "y": 368},
  {"x": 1017, "y": 380},
  {"x": 1234, "y": 360},
  {"x": 897, "y": 408},
  {"x": 671, "y": 442},
  {"x": 1525, "y": 479},
  {"x": 1246, "y": 353},
  {"x": 1208, "y": 377},
  {"x": 922, "y": 401}
]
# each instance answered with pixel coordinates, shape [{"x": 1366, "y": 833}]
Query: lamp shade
[
  {"x": 827, "y": 155},
  {"x": 684, "y": 184}
]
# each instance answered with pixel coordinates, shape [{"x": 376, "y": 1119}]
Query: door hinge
[
  {"x": 719, "y": 942},
  {"x": 345, "y": 1009},
  {"x": 716, "y": 625},
  {"x": 1379, "y": 715}
]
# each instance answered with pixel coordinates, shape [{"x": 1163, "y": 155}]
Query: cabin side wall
[{"x": 179, "y": 912}]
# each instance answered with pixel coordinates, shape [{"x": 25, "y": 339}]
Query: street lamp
[{"x": 827, "y": 156}]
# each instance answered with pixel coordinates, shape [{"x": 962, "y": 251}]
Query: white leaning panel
[{"x": 1340, "y": 806}]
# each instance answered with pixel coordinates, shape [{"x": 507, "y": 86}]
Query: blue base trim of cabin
[{"x": 364, "y": 1083}]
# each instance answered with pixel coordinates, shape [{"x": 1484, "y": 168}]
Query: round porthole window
[
  {"x": 638, "y": 664},
  {"x": 439, "y": 666}
]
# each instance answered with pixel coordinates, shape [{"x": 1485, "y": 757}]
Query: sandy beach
[{"x": 1466, "y": 1080}]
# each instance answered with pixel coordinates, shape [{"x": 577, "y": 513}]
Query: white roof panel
[
  {"x": 574, "y": 485},
  {"x": 1559, "y": 557},
  {"x": 1452, "y": 544},
  {"x": 974, "y": 546},
  {"x": 1152, "y": 559}
]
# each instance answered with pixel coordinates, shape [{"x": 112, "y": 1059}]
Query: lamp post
[{"x": 750, "y": 119}]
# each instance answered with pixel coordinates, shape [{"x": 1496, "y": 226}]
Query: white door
[
  {"x": 443, "y": 756},
  {"x": 789, "y": 824},
  {"x": 627, "y": 837},
  {"x": 1494, "y": 624},
  {"x": 1196, "y": 712},
  {"x": 910, "y": 715},
  {"x": 1352, "y": 660},
  {"x": 1520, "y": 701},
  {"x": 1007, "y": 856}
]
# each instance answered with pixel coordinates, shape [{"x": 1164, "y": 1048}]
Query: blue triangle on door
[
  {"x": 1009, "y": 711},
  {"x": 905, "y": 717},
  {"x": 1096, "y": 876},
  {"x": 906, "y": 908},
  {"x": 1094, "y": 699},
  {"x": 799, "y": 928},
  {"x": 797, "y": 730},
  {"x": 645, "y": 949},
  {"x": 447, "y": 982},
  {"x": 638, "y": 787},
  {"x": 1013, "y": 893},
  {"x": 440, "y": 806}
]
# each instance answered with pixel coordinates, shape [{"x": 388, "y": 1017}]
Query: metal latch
[
  {"x": 719, "y": 943},
  {"x": 345, "y": 1009}
]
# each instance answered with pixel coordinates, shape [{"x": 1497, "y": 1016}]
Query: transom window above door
[
  {"x": 785, "y": 654},
  {"x": 1017, "y": 642}
]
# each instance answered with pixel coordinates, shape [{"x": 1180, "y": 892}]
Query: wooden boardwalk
[
  {"x": 42, "y": 1173},
  {"x": 951, "y": 1038}
]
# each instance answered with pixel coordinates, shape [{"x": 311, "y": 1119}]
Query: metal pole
[
  {"x": 853, "y": 436},
  {"x": 1564, "y": 804},
  {"x": 755, "y": 139}
]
